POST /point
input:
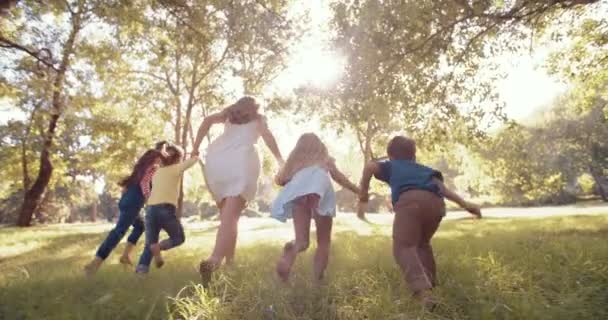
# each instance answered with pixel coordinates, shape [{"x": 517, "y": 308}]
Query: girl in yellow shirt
[{"x": 161, "y": 210}]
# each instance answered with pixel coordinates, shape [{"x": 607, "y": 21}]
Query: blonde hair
[
  {"x": 309, "y": 151},
  {"x": 243, "y": 111}
]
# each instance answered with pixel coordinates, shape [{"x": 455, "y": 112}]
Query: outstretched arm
[
  {"x": 454, "y": 197},
  {"x": 270, "y": 141},
  {"x": 187, "y": 164},
  {"x": 210, "y": 120},
  {"x": 341, "y": 179},
  {"x": 370, "y": 169}
]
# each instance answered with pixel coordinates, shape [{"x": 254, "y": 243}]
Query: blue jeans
[
  {"x": 160, "y": 217},
  {"x": 127, "y": 217}
]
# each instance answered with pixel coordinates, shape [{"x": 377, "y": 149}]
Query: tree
[
  {"x": 55, "y": 69},
  {"x": 189, "y": 50},
  {"x": 55, "y": 75},
  {"x": 415, "y": 66}
]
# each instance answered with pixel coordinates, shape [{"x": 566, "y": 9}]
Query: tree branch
[{"x": 8, "y": 44}]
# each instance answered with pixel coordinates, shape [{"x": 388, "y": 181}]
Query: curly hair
[
  {"x": 139, "y": 170},
  {"x": 243, "y": 111}
]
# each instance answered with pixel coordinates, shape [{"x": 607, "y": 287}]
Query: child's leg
[
  {"x": 425, "y": 250},
  {"x": 152, "y": 231},
  {"x": 226, "y": 234},
  {"x": 323, "y": 225},
  {"x": 407, "y": 234},
  {"x": 136, "y": 232},
  {"x": 175, "y": 230},
  {"x": 434, "y": 211},
  {"x": 125, "y": 219},
  {"x": 301, "y": 224}
]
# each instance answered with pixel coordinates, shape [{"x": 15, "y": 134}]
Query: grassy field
[{"x": 549, "y": 268}]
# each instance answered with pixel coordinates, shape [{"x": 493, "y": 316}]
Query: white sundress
[
  {"x": 310, "y": 180},
  {"x": 232, "y": 164}
]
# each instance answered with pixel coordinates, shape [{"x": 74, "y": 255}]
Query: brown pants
[{"x": 417, "y": 216}]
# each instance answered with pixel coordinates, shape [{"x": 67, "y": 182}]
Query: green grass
[{"x": 551, "y": 268}]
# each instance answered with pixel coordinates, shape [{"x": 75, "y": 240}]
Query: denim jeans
[
  {"x": 127, "y": 217},
  {"x": 160, "y": 217}
]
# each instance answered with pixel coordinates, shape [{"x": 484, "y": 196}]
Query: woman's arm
[
  {"x": 454, "y": 197},
  {"x": 270, "y": 141},
  {"x": 219, "y": 117},
  {"x": 341, "y": 179}
]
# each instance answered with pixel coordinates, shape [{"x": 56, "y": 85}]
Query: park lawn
[{"x": 550, "y": 268}]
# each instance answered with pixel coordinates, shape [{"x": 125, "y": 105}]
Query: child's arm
[
  {"x": 341, "y": 179},
  {"x": 454, "y": 197},
  {"x": 187, "y": 164},
  {"x": 270, "y": 141},
  {"x": 210, "y": 120},
  {"x": 371, "y": 169}
]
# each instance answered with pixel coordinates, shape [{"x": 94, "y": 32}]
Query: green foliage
[
  {"x": 488, "y": 269},
  {"x": 586, "y": 182}
]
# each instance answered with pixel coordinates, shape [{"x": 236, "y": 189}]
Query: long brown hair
[
  {"x": 173, "y": 155},
  {"x": 243, "y": 111},
  {"x": 139, "y": 170},
  {"x": 309, "y": 151}
]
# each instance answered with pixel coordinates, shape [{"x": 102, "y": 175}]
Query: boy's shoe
[
  {"x": 427, "y": 300},
  {"x": 158, "y": 258},
  {"x": 206, "y": 269}
]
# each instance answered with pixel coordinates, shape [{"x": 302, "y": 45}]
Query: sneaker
[{"x": 142, "y": 269}]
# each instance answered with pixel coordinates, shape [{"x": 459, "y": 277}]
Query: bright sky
[{"x": 526, "y": 87}]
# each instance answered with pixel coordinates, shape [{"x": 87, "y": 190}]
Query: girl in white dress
[
  {"x": 308, "y": 194},
  {"x": 232, "y": 168}
]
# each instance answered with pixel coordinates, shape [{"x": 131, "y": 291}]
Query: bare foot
[
  {"x": 91, "y": 268},
  {"x": 158, "y": 258},
  {"x": 125, "y": 260},
  {"x": 283, "y": 266},
  {"x": 283, "y": 269}
]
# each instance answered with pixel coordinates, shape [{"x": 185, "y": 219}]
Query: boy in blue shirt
[{"x": 417, "y": 194}]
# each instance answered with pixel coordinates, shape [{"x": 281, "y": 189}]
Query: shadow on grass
[
  {"x": 55, "y": 244},
  {"x": 487, "y": 270}
]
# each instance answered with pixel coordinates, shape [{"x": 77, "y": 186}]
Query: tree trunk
[
  {"x": 27, "y": 180},
  {"x": 94, "y": 211},
  {"x": 601, "y": 184},
  {"x": 32, "y": 197}
]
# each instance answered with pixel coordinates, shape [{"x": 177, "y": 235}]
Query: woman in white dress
[{"x": 232, "y": 168}]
